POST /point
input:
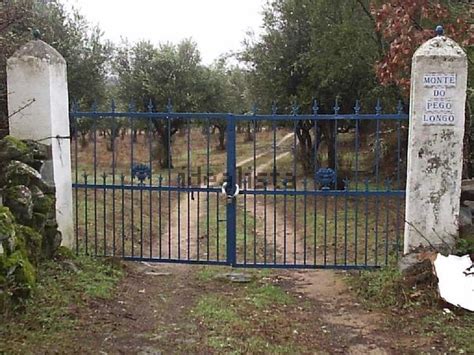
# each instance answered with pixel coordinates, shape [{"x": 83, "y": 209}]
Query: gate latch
[{"x": 230, "y": 196}]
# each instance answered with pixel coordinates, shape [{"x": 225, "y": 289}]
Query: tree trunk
[
  {"x": 249, "y": 135},
  {"x": 166, "y": 161},
  {"x": 221, "y": 136}
]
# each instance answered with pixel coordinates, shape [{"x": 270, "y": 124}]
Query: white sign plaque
[{"x": 438, "y": 108}]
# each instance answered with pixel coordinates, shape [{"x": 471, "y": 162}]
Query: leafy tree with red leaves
[{"x": 406, "y": 24}]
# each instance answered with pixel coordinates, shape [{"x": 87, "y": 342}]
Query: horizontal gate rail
[
  {"x": 223, "y": 116},
  {"x": 400, "y": 193},
  {"x": 135, "y": 202}
]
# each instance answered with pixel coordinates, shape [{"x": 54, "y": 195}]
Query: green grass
[
  {"x": 416, "y": 309},
  {"x": 456, "y": 330},
  {"x": 268, "y": 295},
  {"x": 244, "y": 320},
  {"x": 380, "y": 288},
  {"x": 207, "y": 273},
  {"x": 48, "y": 317},
  {"x": 216, "y": 312}
]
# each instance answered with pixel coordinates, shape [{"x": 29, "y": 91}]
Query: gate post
[
  {"x": 38, "y": 109},
  {"x": 435, "y": 144}
]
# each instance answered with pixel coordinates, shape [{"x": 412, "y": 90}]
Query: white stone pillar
[
  {"x": 435, "y": 144},
  {"x": 39, "y": 110}
]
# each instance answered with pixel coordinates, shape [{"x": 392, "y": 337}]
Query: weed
[
  {"x": 380, "y": 288},
  {"x": 207, "y": 273},
  {"x": 49, "y": 316},
  {"x": 268, "y": 295},
  {"x": 216, "y": 313}
]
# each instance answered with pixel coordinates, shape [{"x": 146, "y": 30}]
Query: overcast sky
[{"x": 218, "y": 26}]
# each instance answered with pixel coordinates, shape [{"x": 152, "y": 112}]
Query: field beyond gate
[{"x": 298, "y": 190}]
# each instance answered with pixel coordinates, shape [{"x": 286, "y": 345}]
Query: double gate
[{"x": 258, "y": 190}]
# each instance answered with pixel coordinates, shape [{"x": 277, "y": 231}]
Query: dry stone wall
[{"x": 28, "y": 227}]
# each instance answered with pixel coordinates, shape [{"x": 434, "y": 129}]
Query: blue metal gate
[{"x": 317, "y": 190}]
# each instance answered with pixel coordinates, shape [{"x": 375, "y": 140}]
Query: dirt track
[{"x": 153, "y": 311}]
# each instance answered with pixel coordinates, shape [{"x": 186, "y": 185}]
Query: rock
[
  {"x": 417, "y": 268},
  {"x": 38, "y": 150},
  {"x": 408, "y": 261},
  {"x": 20, "y": 274},
  {"x": 20, "y": 202},
  {"x": 70, "y": 266},
  {"x": 19, "y": 173},
  {"x": 33, "y": 241},
  {"x": 14, "y": 149},
  {"x": 235, "y": 277},
  {"x": 38, "y": 221},
  {"x": 7, "y": 230},
  {"x": 44, "y": 204},
  {"x": 51, "y": 241}
]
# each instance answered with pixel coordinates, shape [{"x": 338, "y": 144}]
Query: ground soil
[
  {"x": 152, "y": 310},
  {"x": 151, "y": 313}
]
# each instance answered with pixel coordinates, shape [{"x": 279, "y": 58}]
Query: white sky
[{"x": 218, "y": 26}]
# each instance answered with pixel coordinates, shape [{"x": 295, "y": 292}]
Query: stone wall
[{"x": 28, "y": 228}]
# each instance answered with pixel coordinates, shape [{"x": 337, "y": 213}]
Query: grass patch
[
  {"x": 268, "y": 295},
  {"x": 50, "y": 316},
  {"x": 380, "y": 288},
  {"x": 239, "y": 321},
  {"x": 208, "y": 273},
  {"x": 457, "y": 330},
  {"x": 216, "y": 313},
  {"x": 416, "y": 308}
]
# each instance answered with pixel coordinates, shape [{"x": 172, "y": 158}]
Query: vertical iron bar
[
  {"x": 294, "y": 186},
  {"x": 265, "y": 223},
  {"x": 76, "y": 175},
  {"x": 245, "y": 219},
  {"x": 325, "y": 228},
  {"x": 399, "y": 187},
  {"x": 114, "y": 134},
  {"x": 198, "y": 246},
  {"x": 189, "y": 183},
  {"x": 336, "y": 183},
  {"x": 377, "y": 172},
  {"x": 387, "y": 200},
  {"x": 356, "y": 213},
  {"x": 86, "y": 224},
  {"x": 160, "y": 220},
  {"x": 345, "y": 222},
  {"x": 305, "y": 218},
  {"x": 255, "y": 188},
  {"x": 274, "y": 188},
  {"x": 179, "y": 216},
  {"x": 122, "y": 186},
  {"x": 132, "y": 135},
  {"x": 285, "y": 184},
  {"x": 217, "y": 224},
  {"x": 150, "y": 193},
  {"x": 104, "y": 177},
  {"x": 366, "y": 222},
  {"x": 315, "y": 166},
  {"x": 95, "y": 183},
  {"x": 231, "y": 181},
  {"x": 208, "y": 237},
  {"x": 141, "y": 220},
  {"x": 168, "y": 126}
]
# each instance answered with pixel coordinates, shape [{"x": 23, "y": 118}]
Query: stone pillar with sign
[{"x": 435, "y": 144}]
